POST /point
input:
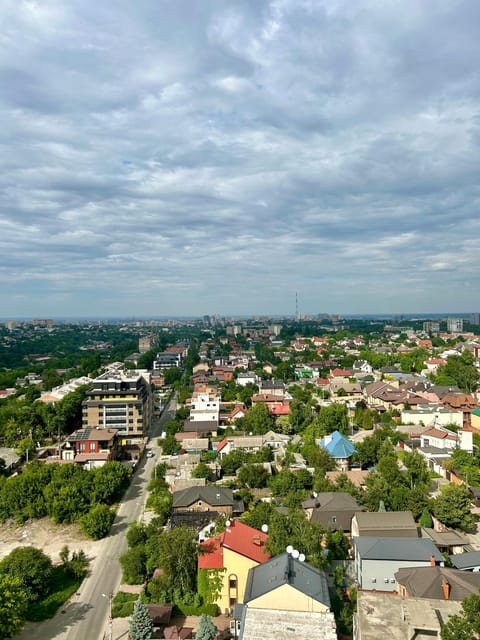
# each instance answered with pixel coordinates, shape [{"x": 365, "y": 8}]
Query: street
[{"x": 86, "y": 615}]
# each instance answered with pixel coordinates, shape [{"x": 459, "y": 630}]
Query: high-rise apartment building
[
  {"x": 431, "y": 326},
  {"x": 475, "y": 318},
  {"x": 147, "y": 343},
  {"x": 454, "y": 325},
  {"x": 120, "y": 399}
]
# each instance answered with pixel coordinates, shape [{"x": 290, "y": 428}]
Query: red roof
[
  {"x": 441, "y": 435},
  {"x": 279, "y": 409},
  {"x": 222, "y": 444},
  {"x": 341, "y": 372},
  {"x": 239, "y": 538},
  {"x": 211, "y": 554}
]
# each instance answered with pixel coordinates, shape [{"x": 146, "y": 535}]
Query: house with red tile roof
[{"x": 230, "y": 555}]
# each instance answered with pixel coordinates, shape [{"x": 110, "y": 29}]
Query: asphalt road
[{"x": 86, "y": 616}]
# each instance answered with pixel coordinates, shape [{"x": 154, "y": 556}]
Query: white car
[{"x": 150, "y": 453}]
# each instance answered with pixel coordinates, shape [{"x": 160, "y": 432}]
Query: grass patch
[
  {"x": 122, "y": 604},
  {"x": 63, "y": 586}
]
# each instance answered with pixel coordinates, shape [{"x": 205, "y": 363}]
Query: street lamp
[{"x": 110, "y": 617}]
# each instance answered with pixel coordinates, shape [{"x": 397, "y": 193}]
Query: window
[
  {"x": 385, "y": 580},
  {"x": 374, "y": 579},
  {"x": 82, "y": 446},
  {"x": 334, "y": 519},
  {"x": 92, "y": 446},
  {"x": 232, "y": 582}
]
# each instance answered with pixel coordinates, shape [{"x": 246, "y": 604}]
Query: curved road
[{"x": 85, "y": 616}]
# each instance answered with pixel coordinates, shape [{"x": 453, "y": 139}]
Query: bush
[
  {"x": 97, "y": 522},
  {"x": 133, "y": 563},
  {"x": 192, "y": 610},
  {"x": 122, "y": 604}
]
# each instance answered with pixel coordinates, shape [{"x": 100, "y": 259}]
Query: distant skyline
[{"x": 183, "y": 157}]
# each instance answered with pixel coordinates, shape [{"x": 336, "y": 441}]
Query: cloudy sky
[{"x": 190, "y": 157}]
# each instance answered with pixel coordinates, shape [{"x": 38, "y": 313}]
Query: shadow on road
[{"x": 64, "y": 619}]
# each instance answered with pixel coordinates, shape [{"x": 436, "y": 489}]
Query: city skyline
[{"x": 182, "y": 159}]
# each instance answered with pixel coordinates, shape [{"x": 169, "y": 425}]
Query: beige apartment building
[{"x": 120, "y": 399}]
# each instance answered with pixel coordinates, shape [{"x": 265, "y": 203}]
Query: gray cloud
[{"x": 179, "y": 157}]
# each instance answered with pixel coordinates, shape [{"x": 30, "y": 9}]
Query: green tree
[
  {"x": 109, "y": 482},
  {"x": 461, "y": 370},
  {"x": 206, "y": 629},
  {"x": 294, "y": 529},
  {"x": 137, "y": 534},
  {"x": 97, "y": 522},
  {"x": 172, "y": 375},
  {"x": 417, "y": 470},
  {"x": 300, "y": 416},
  {"x": 465, "y": 625},
  {"x": 426, "y": 519},
  {"x": 258, "y": 419},
  {"x": 202, "y": 470},
  {"x": 254, "y": 476},
  {"x": 31, "y": 567},
  {"x": 233, "y": 461},
  {"x": 175, "y": 551},
  {"x": 141, "y": 624},
  {"x": 169, "y": 445},
  {"x": 133, "y": 566},
  {"x": 13, "y": 605},
  {"x": 452, "y": 507}
]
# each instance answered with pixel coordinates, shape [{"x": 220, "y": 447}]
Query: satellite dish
[
  {"x": 264, "y": 528},
  {"x": 228, "y": 523},
  {"x": 301, "y": 557},
  {"x": 295, "y": 554},
  {"x": 289, "y": 548}
]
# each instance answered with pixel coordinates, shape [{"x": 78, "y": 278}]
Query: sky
[{"x": 191, "y": 157}]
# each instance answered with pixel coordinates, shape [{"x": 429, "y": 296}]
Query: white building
[{"x": 205, "y": 407}]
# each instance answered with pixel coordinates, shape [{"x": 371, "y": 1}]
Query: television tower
[{"x": 297, "y": 317}]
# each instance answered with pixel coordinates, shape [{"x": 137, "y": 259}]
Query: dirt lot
[{"x": 45, "y": 535}]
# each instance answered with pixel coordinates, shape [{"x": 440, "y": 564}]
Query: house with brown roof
[
  {"x": 463, "y": 402},
  {"x": 387, "y": 524},
  {"x": 356, "y": 476},
  {"x": 332, "y": 510},
  {"x": 436, "y": 582},
  {"x": 206, "y": 498}
]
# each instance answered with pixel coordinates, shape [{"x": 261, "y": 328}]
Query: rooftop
[
  {"x": 388, "y": 616},
  {"x": 285, "y": 569},
  {"x": 408, "y": 549}
]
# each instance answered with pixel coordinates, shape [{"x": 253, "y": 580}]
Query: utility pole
[{"x": 110, "y": 617}]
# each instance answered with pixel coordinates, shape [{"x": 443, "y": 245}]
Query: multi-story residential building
[
  {"x": 454, "y": 325},
  {"x": 167, "y": 360},
  {"x": 475, "y": 318},
  {"x": 431, "y": 326},
  {"x": 147, "y": 343},
  {"x": 205, "y": 407},
  {"x": 120, "y": 399}
]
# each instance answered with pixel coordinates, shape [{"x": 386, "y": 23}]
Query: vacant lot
[{"x": 47, "y": 536}]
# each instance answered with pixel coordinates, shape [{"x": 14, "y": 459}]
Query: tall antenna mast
[{"x": 296, "y": 306}]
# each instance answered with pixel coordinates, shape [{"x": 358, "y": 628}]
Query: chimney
[
  {"x": 446, "y": 589},
  {"x": 432, "y": 560}
]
